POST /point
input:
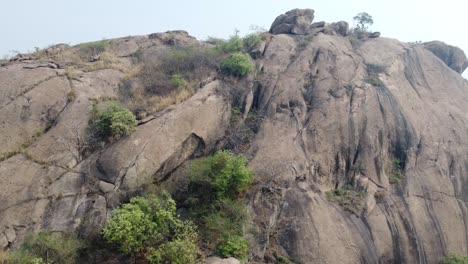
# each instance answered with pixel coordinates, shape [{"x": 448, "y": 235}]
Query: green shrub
[
  {"x": 238, "y": 64},
  {"x": 452, "y": 259},
  {"x": 215, "y": 201},
  {"x": 351, "y": 200},
  {"x": 178, "y": 251},
  {"x": 222, "y": 220},
  {"x": 234, "y": 246},
  {"x": 47, "y": 248},
  {"x": 251, "y": 41},
  {"x": 147, "y": 223},
  {"x": 396, "y": 176},
  {"x": 143, "y": 221},
  {"x": 114, "y": 122},
  {"x": 223, "y": 174},
  {"x": 234, "y": 44}
]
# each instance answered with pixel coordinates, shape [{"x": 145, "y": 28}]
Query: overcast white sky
[{"x": 38, "y": 23}]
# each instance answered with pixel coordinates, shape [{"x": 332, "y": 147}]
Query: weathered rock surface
[
  {"x": 48, "y": 184},
  {"x": 454, "y": 57},
  {"x": 325, "y": 120},
  {"x": 216, "y": 260},
  {"x": 336, "y": 114},
  {"x": 296, "y": 21}
]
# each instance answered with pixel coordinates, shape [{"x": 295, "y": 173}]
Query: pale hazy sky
[{"x": 38, "y": 23}]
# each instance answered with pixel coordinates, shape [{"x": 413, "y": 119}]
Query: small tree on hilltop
[{"x": 363, "y": 20}]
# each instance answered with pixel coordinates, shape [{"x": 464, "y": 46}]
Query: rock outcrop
[
  {"x": 335, "y": 114},
  {"x": 296, "y": 21},
  {"x": 454, "y": 57}
]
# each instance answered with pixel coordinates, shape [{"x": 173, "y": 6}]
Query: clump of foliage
[
  {"x": 148, "y": 226},
  {"x": 224, "y": 174},
  {"x": 396, "y": 176},
  {"x": 452, "y": 259},
  {"x": 47, "y": 248},
  {"x": 363, "y": 20},
  {"x": 233, "y": 45},
  {"x": 251, "y": 41},
  {"x": 238, "y": 64},
  {"x": 215, "y": 201},
  {"x": 178, "y": 251},
  {"x": 234, "y": 246},
  {"x": 113, "y": 123},
  {"x": 346, "y": 197}
]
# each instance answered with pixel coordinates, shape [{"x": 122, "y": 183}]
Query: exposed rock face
[
  {"x": 336, "y": 114},
  {"x": 216, "y": 260},
  {"x": 47, "y": 184},
  {"x": 454, "y": 57},
  {"x": 296, "y": 21},
  {"x": 341, "y": 28},
  {"x": 323, "y": 120}
]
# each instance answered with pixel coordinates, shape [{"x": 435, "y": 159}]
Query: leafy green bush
[
  {"x": 238, "y": 64},
  {"x": 251, "y": 41},
  {"x": 452, "y": 259},
  {"x": 216, "y": 183},
  {"x": 47, "y": 248},
  {"x": 234, "y": 44},
  {"x": 234, "y": 246},
  {"x": 223, "y": 174},
  {"x": 114, "y": 122},
  {"x": 178, "y": 251},
  {"x": 147, "y": 223}
]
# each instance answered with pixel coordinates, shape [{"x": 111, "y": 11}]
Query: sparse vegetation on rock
[
  {"x": 216, "y": 204},
  {"x": 46, "y": 248},
  {"x": 346, "y": 197},
  {"x": 113, "y": 123},
  {"x": 453, "y": 259},
  {"x": 396, "y": 176}
]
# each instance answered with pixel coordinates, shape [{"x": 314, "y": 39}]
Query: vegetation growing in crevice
[
  {"x": 396, "y": 176},
  {"x": 351, "y": 200},
  {"x": 108, "y": 125},
  {"x": 373, "y": 71},
  {"x": 215, "y": 202},
  {"x": 453, "y": 259}
]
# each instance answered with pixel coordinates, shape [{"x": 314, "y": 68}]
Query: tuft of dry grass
[
  {"x": 3, "y": 257},
  {"x": 155, "y": 103}
]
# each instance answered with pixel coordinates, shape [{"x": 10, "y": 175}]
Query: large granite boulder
[
  {"x": 296, "y": 21},
  {"x": 454, "y": 57}
]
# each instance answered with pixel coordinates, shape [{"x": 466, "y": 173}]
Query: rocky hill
[{"x": 359, "y": 143}]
